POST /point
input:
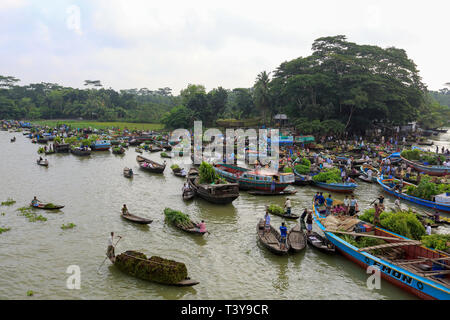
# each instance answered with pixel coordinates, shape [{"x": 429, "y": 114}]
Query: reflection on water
[{"x": 229, "y": 263}]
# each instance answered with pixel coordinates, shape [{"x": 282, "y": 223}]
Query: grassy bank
[{"x": 101, "y": 125}]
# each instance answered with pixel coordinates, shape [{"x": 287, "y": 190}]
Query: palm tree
[{"x": 262, "y": 96}]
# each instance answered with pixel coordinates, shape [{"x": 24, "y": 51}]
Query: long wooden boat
[
  {"x": 62, "y": 148},
  {"x": 214, "y": 193},
  {"x": 150, "y": 165},
  {"x": 296, "y": 238},
  {"x": 81, "y": 151},
  {"x": 271, "y": 240},
  {"x": 302, "y": 179},
  {"x": 101, "y": 145},
  {"x": 413, "y": 273},
  {"x": 180, "y": 173},
  {"x": 127, "y": 172},
  {"x": 139, "y": 150},
  {"x": 321, "y": 243},
  {"x": 337, "y": 187},
  {"x": 254, "y": 179},
  {"x": 137, "y": 263},
  {"x": 388, "y": 187},
  {"x": 135, "y": 219},
  {"x": 285, "y": 215},
  {"x": 120, "y": 150},
  {"x": 42, "y": 206},
  {"x": 189, "y": 228},
  {"x": 430, "y": 170},
  {"x": 188, "y": 194},
  {"x": 43, "y": 163}
]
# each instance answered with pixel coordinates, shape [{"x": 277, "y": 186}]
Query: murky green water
[{"x": 229, "y": 263}]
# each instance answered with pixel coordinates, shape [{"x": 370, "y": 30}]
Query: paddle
[{"x": 98, "y": 269}]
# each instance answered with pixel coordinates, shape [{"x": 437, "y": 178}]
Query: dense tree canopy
[{"x": 341, "y": 86}]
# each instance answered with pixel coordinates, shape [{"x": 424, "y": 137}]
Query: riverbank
[{"x": 101, "y": 125}]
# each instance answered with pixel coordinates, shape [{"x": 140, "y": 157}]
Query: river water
[{"x": 229, "y": 263}]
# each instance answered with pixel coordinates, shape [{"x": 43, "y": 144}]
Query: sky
[{"x": 154, "y": 44}]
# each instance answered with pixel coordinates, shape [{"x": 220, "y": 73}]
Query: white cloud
[
  {"x": 12, "y": 4},
  {"x": 152, "y": 44}
]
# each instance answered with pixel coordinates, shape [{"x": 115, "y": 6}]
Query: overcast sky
[{"x": 153, "y": 44}]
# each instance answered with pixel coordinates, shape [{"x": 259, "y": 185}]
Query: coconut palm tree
[{"x": 262, "y": 95}]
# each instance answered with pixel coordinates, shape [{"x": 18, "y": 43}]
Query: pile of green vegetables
[
  {"x": 363, "y": 242},
  {"x": 176, "y": 217},
  {"x": 303, "y": 167},
  {"x": 422, "y": 156},
  {"x": 8, "y": 202},
  {"x": 175, "y": 167},
  {"x": 68, "y": 226},
  {"x": 4, "y": 229},
  {"x": 275, "y": 209},
  {"x": 208, "y": 175},
  {"x": 427, "y": 189},
  {"x": 328, "y": 176},
  {"x": 154, "y": 269},
  {"x": 404, "y": 223},
  {"x": 437, "y": 241}
]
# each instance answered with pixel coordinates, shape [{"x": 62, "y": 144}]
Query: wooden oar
[{"x": 98, "y": 269}]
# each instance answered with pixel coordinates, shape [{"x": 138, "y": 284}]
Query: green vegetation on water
[
  {"x": 30, "y": 293},
  {"x": 4, "y": 229},
  {"x": 30, "y": 215},
  {"x": 68, "y": 226},
  {"x": 8, "y": 202}
]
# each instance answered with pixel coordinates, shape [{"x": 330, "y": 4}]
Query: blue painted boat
[
  {"x": 101, "y": 145},
  {"x": 388, "y": 186},
  {"x": 365, "y": 168},
  {"x": 430, "y": 170},
  {"x": 346, "y": 187},
  {"x": 402, "y": 273},
  {"x": 255, "y": 179}
]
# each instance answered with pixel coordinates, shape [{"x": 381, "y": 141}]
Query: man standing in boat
[
  {"x": 283, "y": 231},
  {"x": 125, "y": 210},
  {"x": 110, "y": 251},
  {"x": 287, "y": 206}
]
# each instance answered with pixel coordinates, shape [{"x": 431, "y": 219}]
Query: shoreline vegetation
[
  {"x": 342, "y": 87},
  {"x": 101, "y": 125}
]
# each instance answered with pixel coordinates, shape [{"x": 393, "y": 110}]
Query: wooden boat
[
  {"x": 404, "y": 263},
  {"x": 137, "y": 263},
  {"x": 13, "y": 139},
  {"x": 430, "y": 170},
  {"x": 296, "y": 238},
  {"x": 189, "y": 228},
  {"x": 62, "y": 148},
  {"x": 165, "y": 155},
  {"x": 43, "y": 163},
  {"x": 42, "y": 206},
  {"x": 271, "y": 240},
  {"x": 317, "y": 241},
  {"x": 389, "y": 184},
  {"x": 81, "y": 151},
  {"x": 128, "y": 173},
  {"x": 139, "y": 150},
  {"x": 135, "y": 219},
  {"x": 101, "y": 145},
  {"x": 337, "y": 187},
  {"x": 150, "y": 165},
  {"x": 254, "y": 179},
  {"x": 214, "y": 193},
  {"x": 152, "y": 148},
  {"x": 268, "y": 193},
  {"x": 120, "y": 150},
  {"x": 188, "y": 194},
  {"x": 302, "y": 179},
  {"x": 285, "y": 215},
  {"x": 365, "y": 177},
  {"x": 180, "y": 173}
]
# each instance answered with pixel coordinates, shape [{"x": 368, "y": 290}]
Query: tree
[{"x": 262, "y": 95}]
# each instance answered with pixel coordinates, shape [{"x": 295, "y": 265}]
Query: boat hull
[
  {"x": 337, "y": 187},
  {"x": 430, "y": 170},
  {"x": 417, "y": 285},
  {"x": 422, "y": 202}
]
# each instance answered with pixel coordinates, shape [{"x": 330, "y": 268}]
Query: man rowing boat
[{"x": 110, "y": 250}]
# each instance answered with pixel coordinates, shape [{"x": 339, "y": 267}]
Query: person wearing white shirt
[{"x": 428, "y": 231}]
